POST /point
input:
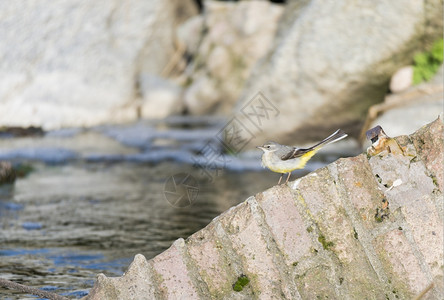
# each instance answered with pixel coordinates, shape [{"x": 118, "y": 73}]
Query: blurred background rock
[{"x": 322, "y": 63}]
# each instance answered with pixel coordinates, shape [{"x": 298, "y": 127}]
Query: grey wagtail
[{"x": 285, "y": 159}]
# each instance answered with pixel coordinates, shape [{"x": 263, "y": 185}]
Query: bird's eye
[{"x": 268, "y": 146}]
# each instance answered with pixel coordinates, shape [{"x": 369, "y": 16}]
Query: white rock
[
  {"x": 190, "y": 33},
  {"x": 74, "y": 63},
  {"x": 201, "y": 97},
  {"x": 219, "y": 63},
  {"x": 238, "y": 35},
  {"x": 402, "y": 79},
  {"x": 161, "y": 97}
]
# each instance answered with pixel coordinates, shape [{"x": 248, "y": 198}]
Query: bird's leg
[
  {"x": 288, "y": 177},
  {"x": 280, "y": 178}
]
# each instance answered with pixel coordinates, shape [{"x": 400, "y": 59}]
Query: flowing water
[{"x": 96, "y": 198}]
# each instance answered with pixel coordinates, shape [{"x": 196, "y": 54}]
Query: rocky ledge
[{"x": 367, "y": 227}]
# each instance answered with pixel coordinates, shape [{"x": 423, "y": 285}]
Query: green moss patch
[
  {"x": 241, "y": 282},
  {"x": 325, "y": 244}
]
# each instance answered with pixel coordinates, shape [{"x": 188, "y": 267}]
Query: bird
[{"x": 285, "y": 159}]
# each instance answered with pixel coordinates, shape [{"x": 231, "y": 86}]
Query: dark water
[
  {"x": 61, "y": 225},
  {"x": 97, "y": 197}
]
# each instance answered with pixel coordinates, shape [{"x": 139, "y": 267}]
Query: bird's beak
[{"x": 260, "y": 147}]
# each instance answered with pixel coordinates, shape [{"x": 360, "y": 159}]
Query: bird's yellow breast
[{"x": 276, "y": 164}]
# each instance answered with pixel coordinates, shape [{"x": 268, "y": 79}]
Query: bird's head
[{"x": 269, "y": 147}]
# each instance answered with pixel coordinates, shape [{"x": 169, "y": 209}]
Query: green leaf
[
  {"x": 426, "y": 64},
  {"x": 421, "y": 59},
  {"x": 437, "y": 51},
  {"x": 417, "y": 78},
  {"x": 427, "y": 73}
]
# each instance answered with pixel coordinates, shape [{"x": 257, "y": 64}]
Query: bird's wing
[
  {"x": 283, "y": 150},
  {"x": 295, "y": 152}
]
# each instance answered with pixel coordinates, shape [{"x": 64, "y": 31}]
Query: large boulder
[
  {"x": 161, "y": 97},
  {"x": 236, "y": 36},
  {"x": 334, "y": 59},
  {"x": 77, "y": 63},
  {"x": 364, "y": 227}
]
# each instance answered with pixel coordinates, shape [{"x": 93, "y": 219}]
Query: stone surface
[
  {"x": 428, "y": 141},
  {"x": 175, "y": 281},
  {"x": 315, "y": 283},
  {"x": 361, "y": 187},
  {"x": 136, "y": 283},
  {"x": 257, "y": 259},
  {"x": 427, "y": 229},
  {"x": 202, "y": 88},
  {"x": 190, "y": 33},
  {"x": 401, "y": 265},
  {"x": 406, "y": 111},
  {"x": 212, "y": 264},
  {"x": 284, "y": 220},
  {"x": 402, "y": 79},
  {"x": 413, "y": 182},
  {"x": 324, "y": 74},
  {"x": 160, "y": 97},
  {"x": 237, "y": 36},
  {"x": 76, "y": 63},
  {"x": 323, "y": 196},
  {"x": 316, "y": 238}
]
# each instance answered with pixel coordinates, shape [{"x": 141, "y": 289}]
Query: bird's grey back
[{"x": 282, "y": 149}]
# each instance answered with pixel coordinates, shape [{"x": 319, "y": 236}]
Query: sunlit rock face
[
  {"x": 332, "y": 60},
  {"x": 77, "y": 63},
  {"x": 368, "y": 226},
  {"x": 236, "y": 35},
  {"x": 407, "y": 110}
]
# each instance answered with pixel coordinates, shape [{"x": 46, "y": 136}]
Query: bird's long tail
[{"x": 336, "y": 136}]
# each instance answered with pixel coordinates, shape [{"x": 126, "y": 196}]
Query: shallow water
[
  {"x": 63, "y": 224},
  {"x": 98, "y": 197}
]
